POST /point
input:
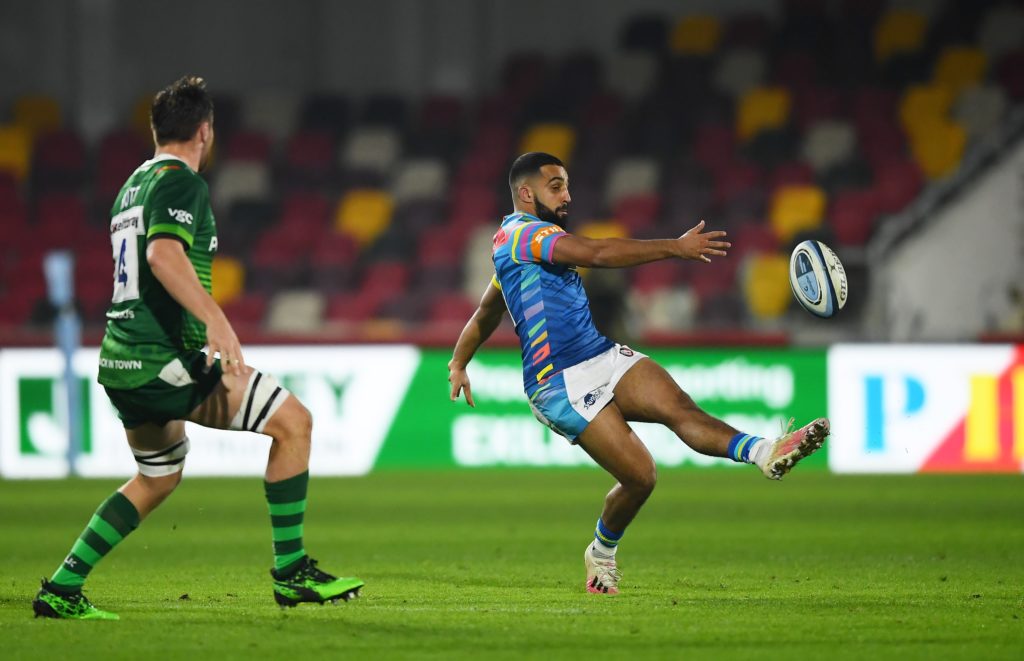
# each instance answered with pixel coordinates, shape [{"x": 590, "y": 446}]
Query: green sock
[
  {"x": 111, "y": 523},
  {"x": 287, "y": 501}
]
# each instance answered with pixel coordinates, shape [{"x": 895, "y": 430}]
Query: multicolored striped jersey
[
  {"x": 547, "y": 302},
  {"x": 146, "y": 327}
]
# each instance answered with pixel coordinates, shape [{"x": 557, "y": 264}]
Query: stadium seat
[
  {"x": 420, "y": 179},
  {"x": 899, "y": 32},
  {"x": 959, "y": 67},
  {"x": 1001, "y": 30},
  {"x": 794, "y": 69},
  {"x": 749, "y": 30},
  {"x": 296, "y": 311},
  {"x": 248, "y": 145},
  {"x": 812, "y": 104},
  {"x": 898, "y": 182},
  {"x": 373, "y": 148},
  {"x": 15, "y": 150},
  {"x": 120, "y": 153},
  {"x": 631, "y": 176},
  {"x": 309, "y": 158},
  {"x": 228, "y": 274},
  {"x": 632, "y": 74},
  {"x": 760, "y": 109},
  {"x": 739, "y": 71},
  {"x": 363, "y": 214},
  {"x": 852, "y": 215},
  {"x": 37, "y": 114},
  {"x": 921, "y": 103},
  {"x": 327, "y": 112},
  {"x": 670, "y": 310},
  {"x": 656, "y": 275},
  {"x": 556, "y": 139},
  {"x": 937, "y": 146},
  {"x": 247, "y": 311},
  {"x": 608, "y": 229},
  {"x": 766, "y": 285},
  {"x": 638, "y": 212},
  {"x": 980, "y": 109},
  {"x": 140, "y": 120},
  {"x": 696, "y": 35},
  {"x": 646, "y": 32},
  {"x": 714, "y": 146},
  {"x": 272, "y": 113},
  {"x": 333, "y": 262},
  {"x": 796, "y": 208},
  {"x": 237, "y": 180},
  {"x": 737, "y": 180},
  {"x": 384, "y": 109},
  {"x": 59, "y": 160},
  {"x": 828, "y": 143}
]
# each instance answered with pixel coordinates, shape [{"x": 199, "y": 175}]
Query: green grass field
[{"x": 720, "y": 564}]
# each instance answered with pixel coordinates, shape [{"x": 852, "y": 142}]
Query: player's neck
[{"x": 184, "y": 151}]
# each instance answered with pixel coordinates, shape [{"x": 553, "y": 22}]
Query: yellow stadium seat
[
  {"x": 38, "y": 114},
  {"x": 140, "y": 115},
  {"x": 766, "y": 285},
  {"x": 938, "y": 146},
  {"x": 762, "y": 108},
  {"x": 960, "y": 67},
  {"x": 795, "y": 209},
  {"x": 696, "y": 35},
  {"x": 899, "y": 31},
  {"x": 603, "y": 229},
  {"x": 364, "y": 214},
  {"x": 15, "y": 150},
  {"x": 921, "y": 103},
  {"x": 555, "y": 139},
  {"x": 228, "y": 276}
]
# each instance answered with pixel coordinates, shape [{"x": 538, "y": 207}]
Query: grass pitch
[{"x": 720, "y": 564}]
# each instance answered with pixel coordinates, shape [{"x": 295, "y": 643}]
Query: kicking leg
[
  {"x": 614, "y": 446},
  {"x": 646, "y": 393}
]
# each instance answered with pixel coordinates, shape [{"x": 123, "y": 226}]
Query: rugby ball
[{"x": 817, "y": 278}]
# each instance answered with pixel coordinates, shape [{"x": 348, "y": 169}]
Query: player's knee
[
  {"x": 160, "y": 487},
  {"x": 296, "y": 423},
  {"x": 644, "y": 479}
]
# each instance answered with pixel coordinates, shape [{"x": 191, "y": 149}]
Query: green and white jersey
[{"x": 146, "y": 328}]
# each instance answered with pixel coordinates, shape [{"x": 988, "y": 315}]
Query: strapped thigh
[
  {"x": 262, "y": 397},
  {"x": 160, "y": 463}
]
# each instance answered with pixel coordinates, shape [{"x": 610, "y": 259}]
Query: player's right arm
[
  {"x": 479, "y": 327},
  {"x": 171, "y": 266},
  {"x": 617, "y": 253}
]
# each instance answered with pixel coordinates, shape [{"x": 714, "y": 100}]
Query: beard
[{"x": 549, "y": 215}]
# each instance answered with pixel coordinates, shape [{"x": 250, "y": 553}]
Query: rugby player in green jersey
[{"x": 153, "y": 368}]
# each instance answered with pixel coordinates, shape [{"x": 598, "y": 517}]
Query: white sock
[
  {"x": 602, "y": 551},
  {"x": 759, "y": 453}
]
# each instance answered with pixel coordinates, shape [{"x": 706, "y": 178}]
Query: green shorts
[{"x": 183, "y": 384}]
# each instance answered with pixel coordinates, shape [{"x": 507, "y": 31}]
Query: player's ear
[{"x": 525, "y": 194}]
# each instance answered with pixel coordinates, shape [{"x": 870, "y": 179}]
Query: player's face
[{"x": 551, "y": 195}]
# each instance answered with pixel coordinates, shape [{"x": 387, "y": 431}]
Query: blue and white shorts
[{"x": 574, "y": 397}]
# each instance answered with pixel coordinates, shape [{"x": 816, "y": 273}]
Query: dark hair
[
  {"x": 179, "y": 109},
  {"x": 529, "y": 164}
]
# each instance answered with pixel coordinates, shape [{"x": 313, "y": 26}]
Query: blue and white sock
[
  {"x": 747, "y": 448},
  {"x": 606, "y": 542}
]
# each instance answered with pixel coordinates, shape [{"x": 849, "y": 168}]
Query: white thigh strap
[
  {"x": 162, "y": 462},
  {"x": 262, "y": 397}
]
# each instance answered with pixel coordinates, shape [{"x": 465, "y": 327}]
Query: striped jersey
[
  {"x": 146, "y": 327},
  {"x": 547, "y": 302}
]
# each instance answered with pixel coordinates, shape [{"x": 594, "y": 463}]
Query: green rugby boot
[
  {"x": 307, "y": 583},
  {"x": 74, "y": 606}
]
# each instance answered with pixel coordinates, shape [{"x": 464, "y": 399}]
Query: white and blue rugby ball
[{"x": 818, "y": 279}]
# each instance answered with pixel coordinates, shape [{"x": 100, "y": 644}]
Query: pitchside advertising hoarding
[
  {"x": 895, "y": 409},
  {"x": 387, "y": 407}
]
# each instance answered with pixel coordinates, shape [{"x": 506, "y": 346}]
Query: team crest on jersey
[
  {"x": 626, "y": 351},
  {"x": 181, "y": 216}
]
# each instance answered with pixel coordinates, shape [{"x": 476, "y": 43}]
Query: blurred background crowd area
[{"x": 368, "y": 215}]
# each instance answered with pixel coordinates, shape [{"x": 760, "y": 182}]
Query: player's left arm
[{"x": 479, "y": 327}]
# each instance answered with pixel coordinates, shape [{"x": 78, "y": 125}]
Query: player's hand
[
  {"x": 699, "y": 245},
  {"x": 221, "y": 338},
  {"x": 460, "y": 381}
]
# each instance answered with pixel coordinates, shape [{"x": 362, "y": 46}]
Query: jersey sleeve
[
  {"x": 495, "y": 282},
  {"x": 535, "y": 242},
  {"x": 175, "y": 204}
]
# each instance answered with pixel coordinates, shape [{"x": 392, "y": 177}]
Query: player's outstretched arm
[
  {"x": 170, "y": 265},
  {"x": 479, "y": 327},
  {"x": 617, "y": 253}
]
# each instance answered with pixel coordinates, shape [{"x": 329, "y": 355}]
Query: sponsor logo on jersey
[
  {"x": 181, "y": 216},
  {"x": 120, "y": 364},
  {"x": 591, "y": 397}
]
